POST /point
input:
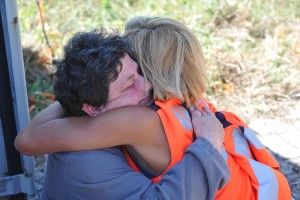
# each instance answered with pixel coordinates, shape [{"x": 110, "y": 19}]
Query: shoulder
[
  {"x": 139, "y": 116},
  {"x": 141, "y": 111}
]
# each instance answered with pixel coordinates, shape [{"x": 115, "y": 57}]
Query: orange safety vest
[{"x": 254, "y": 172}]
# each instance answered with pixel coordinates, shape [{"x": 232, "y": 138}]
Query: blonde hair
[{"x": 170, "y": 56}]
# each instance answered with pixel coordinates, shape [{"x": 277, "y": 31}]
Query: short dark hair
[{"x": 90, "y": 64}]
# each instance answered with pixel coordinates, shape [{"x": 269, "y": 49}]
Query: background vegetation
[{"x": 252, "y": 47}]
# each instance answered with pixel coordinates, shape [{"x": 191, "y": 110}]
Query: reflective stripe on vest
[
  {"x": 267, "y": 184},
  {"x": 254, "y": 171},
  {"x": 252, "y": 157},
  {"x": 183, "y": 116}
]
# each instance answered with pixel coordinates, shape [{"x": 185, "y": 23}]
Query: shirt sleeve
[{"x": 105, "y": 174}]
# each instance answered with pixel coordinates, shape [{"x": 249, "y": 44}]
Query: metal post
[{"x": 16, "y": 171}]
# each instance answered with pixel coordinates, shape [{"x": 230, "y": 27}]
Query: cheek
[
  {"x": 135, "y": 91},
  {"x": 133, "y": 95},
  {"x": 113, "y": 93}
]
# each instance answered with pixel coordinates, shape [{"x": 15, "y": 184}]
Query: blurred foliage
[{"x": 248, "y": 44}]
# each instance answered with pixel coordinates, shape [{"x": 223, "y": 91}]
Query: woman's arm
[{"x": 49, "y": 132}]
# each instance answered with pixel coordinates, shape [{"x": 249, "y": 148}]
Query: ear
[{"x": 90, "y": 110}]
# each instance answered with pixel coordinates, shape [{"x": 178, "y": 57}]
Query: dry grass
[
  {"x": 252, "y": 47},
  {"x": 256, "y": 64}
]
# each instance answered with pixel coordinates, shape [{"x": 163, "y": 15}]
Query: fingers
[
  {"x": 196, "y": 114},
  {"x": 207, "y": 110},
  {"x": 196, "y": 107},
  {"x": 205, "y": 107}
]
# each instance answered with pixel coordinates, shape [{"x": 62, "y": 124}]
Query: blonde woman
[
  {"x": 170, "y": 56},
  {"x": 174, "y": 63}
]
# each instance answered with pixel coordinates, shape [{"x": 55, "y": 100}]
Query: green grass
[
  {"x": 244, "y": 33},
  {"x": 36, "y": 90}
]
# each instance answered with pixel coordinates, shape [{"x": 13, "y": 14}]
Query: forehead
[
  {"x": 129, "y": 68},
  {"x": 127, "y": 62}
]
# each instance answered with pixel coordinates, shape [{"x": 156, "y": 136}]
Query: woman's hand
[{"x": 208, "y": 126}]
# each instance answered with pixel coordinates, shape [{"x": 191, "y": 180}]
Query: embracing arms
[{"x": 50, "y": 132}]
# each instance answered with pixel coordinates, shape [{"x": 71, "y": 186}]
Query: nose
[{"x": 143, "y": 84}]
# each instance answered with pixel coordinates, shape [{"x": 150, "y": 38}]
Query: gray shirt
[{"x": 105, "y": 174}]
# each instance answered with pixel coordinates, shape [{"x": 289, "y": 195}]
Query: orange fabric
[
  {"x": 284, "y": 191},
  {"x": 178, "y": 138},
  {"x": 243, "y": 183},
  {"x": 242, "y": 173},
  {"x": 238, "y": 179}
]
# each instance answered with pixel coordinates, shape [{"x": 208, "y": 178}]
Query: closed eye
[{"x": 130, "y": 85}]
